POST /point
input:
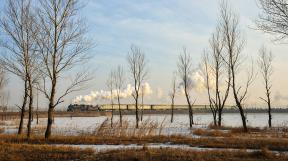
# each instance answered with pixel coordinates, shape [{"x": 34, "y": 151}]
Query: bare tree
[
  {"x": 212, "y": 106},
  {"x": 21, "y": 59},
  {"x": 110, "y": 85},
  {"x": 172, "y": 95},
  {"x": 137, "y": 66},
  {"x": 234, "y": 44},
  {"x": 274, "y": 18},
  {"x": 184, "y": 72},
  {"x": 63, "y": 45},
  {"x": 119, "y": 84},
  {"x": 266, "y": 68},
  {"x": 217, "y": 70}
]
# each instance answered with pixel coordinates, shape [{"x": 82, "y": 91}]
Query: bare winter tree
[
  {"x": 119, "y": 84},
  {"x": 18, "y": 23},
  {"x": 234, "y": 44},
  {"x": 208, "y": 75},
  {"x": 172, "y": 95},
  {"x": 184, "y": 72},
  {"x": 266, "y": 69},
  {"x": 217, "y": 70},
  {"x": 137, "y": 66},
  {"x": 110, "y": 85},
  {"x": 274, "y": 18},
  {"x": 63, "y": 46}
]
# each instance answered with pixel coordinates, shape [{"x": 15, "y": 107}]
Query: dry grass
[
  {"x": 166, "y": 154},
  {"x": 210, "y": 142},
  {"x": 147, "y": 127},
  {"x": 212, "y": 133},
  {"x": 19, "y": 152},
  {"x": 253, "y": 132},
  {"x": 11, "y": 151},
  {"x": 1, "y": 130}
]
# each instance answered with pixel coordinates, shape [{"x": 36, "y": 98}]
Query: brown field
[
  {"x": 19, "y": 152},
  {"x": 167, "y": 154},
  {"x": 234, "y": 144}
]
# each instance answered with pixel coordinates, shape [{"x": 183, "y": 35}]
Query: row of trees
[
  {"x": 224, "y": 59},
  {"x": 138, "y": 72},
  {"x": 221, "y": 65},
  {"x": 43, "y": 40}
]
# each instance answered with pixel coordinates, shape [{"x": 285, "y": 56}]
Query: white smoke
[
  {"x": 103, "y": 95},
  {"x": 108, "y": 95},
  {"x": 197, "y": 80},
  {"x": 145, "y": 89}
]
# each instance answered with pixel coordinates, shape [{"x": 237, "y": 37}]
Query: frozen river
[{"x": 78, "y": 125}]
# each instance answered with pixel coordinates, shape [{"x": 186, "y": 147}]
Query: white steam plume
[
  {"x": 197, "y": 80},
  {"x": 106, "y": 95}
]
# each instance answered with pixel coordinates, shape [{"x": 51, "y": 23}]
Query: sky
[{"x": 161, "y": 29}]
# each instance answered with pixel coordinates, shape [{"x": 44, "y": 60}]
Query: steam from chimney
[
  {"x": 106, "y": 95},
  {"x": 146, "y": 89},
  {"x": 197, "y": 80}
]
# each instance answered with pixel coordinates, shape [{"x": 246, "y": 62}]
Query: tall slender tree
[
  {"x": 266, "y": 69},
  {"x": 137, "y": 65},
  {"x": 110, "y": 85},
  {"x": 119, "y": 84},
  {"x": 234, "y": 43},
  {"x": 172, "y": 95},
  {"x": 217, "y": 75},
  {"x": 185, "y": 72},
  {"x": 18, "y": 23},
  {"x": 63, "y": 45},
  {"x": 212, "y": 106}
]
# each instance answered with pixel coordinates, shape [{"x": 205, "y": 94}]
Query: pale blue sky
[{"x": 161, "y": 28}]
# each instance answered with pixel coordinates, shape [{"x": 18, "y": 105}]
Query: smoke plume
[{"x": 106, "y": 95}]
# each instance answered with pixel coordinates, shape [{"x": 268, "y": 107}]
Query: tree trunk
[
  {"x": 136, "y": 111},
  {"x": 112, "y": 115},
  {"x": 214, "y": 118},
  {"x": 214, "y": 113},
  {"x": 20, "y": 128},
  {"x": 243, "y": 118},
  {"x": 37, "y": 115},
  {"x": 37, "y": 110},
  {"x": 172, "y": 110},
  {"x": 49, "y": 122},
  {"x": 269, "y": 113},
  {"x": 120, "y": 113},
  {"x": 51, "y": 109},
  {"x": 220, "y": 117},
  {"x": 30, "y": 108},
  {"x": 191, "y": 122}
]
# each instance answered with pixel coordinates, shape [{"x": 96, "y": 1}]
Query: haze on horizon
[{"x": 161, "y": 29}]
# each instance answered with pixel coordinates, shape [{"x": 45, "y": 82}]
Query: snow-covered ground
[{"x": 79, "y": 125}]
